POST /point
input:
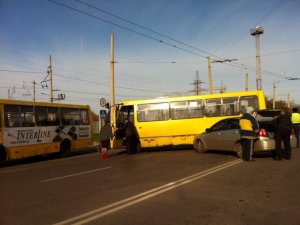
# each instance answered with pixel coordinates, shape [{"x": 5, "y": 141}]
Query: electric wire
[
  {"x": 232, "y": 64},
  {"x": 83, "y": 80},
  {"x": 235, "y": 64},
  {"x": 182, "y": 43},
  {"x": 126, "y": 28},
  {"x": 146, "y": 28}
]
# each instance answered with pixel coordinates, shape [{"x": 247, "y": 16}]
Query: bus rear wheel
[{"x": 65, "y": 149}]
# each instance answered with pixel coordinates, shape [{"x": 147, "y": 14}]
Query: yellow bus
[
  {"x": 36, "y": 128},
  {"x": 173, "y": 121}
]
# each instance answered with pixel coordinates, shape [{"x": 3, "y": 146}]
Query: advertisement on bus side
[{"x": 19, "y": 136}]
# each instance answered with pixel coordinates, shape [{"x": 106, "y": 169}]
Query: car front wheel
[{"x": 199, "y": 146}]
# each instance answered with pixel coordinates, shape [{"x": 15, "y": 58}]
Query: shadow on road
[{"x": 47, "y": 157}]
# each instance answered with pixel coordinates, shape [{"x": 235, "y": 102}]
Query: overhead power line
[
  {"x": 128, "y": 29},
  {"x": 146, "y": 28},
  {"x": 19, "y": 71},
  {"x": 239, "y": 65},
  {"x": 83, "y": 80}
]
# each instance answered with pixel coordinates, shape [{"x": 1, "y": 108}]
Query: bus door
[{"x": 122, "y": 113}]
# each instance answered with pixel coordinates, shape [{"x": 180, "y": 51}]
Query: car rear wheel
[
  {"x": 239, "y": 150},
  {"x": 199, "y": 146}
]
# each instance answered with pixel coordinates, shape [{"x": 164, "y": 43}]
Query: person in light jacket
[
  {"x": 296, "y": 124},
  {"x": 249, "y": 133}
]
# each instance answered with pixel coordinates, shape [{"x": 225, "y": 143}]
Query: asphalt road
[{"x": 165, "y": 187}]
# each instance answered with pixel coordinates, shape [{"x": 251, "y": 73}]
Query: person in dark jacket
[
  {"x": 249, "y": 133},
  {"x": 131, "y": 136},
  {"x": 283, "y": 130},
  {"x": 105, "y": 135}
]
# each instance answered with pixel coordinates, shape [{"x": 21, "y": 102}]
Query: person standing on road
[
  {"x": 296, "y": 124},
  {"x": 283, "y": 130},
  {"x": 105, "y": 135},
  {"x": 249, "y": 133}
]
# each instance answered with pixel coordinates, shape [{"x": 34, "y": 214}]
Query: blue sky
[{"x": 147, "y": 65}]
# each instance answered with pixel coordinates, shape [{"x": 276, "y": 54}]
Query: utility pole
[
  {"x": 256, "y": 32},
  {"x": 210, "y": 76},
  {"x": 274, "y": 95},
  {"x": 50, "y": 74},
  {"x": 10, "y": 94},
  {"x": 197, "y": 85},
  {"x": 246, "y": 82},
  {"x": 112, "y": 82},
  {"x": 211, "y": 88},
  {"x": 34, "y": 90}
]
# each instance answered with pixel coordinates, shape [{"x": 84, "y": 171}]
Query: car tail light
[{"x": 263, "y": 133}]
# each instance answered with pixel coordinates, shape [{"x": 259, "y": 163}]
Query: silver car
[{"x": 225, "y": 135}]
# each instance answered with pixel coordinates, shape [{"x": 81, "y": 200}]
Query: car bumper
[{"x": 267, "y": 144}]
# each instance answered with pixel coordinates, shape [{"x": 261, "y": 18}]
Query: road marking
[
  {"x": 12, "y": 171},
  {"x": 75, "y": 174},
  {"x": 100, "y": 212}
]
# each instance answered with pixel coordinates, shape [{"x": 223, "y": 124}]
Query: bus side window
[
  {"x": 40, "y": 115},
  {"x": 8, "y": 122},
  {"x": 84, "y": 117},
  {"x": 153, "y": 112},
  {"x": 195, "y": 109},
  {"x": 179, "y": 110},
  {"x": 70, "y": 116},
  {"x": 229, "y": 106},
  {"x": 246, "y": 101},
  {"x": 141, "y": 116},
  {"x": 12, "y": 115},
  {"x": 212, "y": 107},
  {"x": 52, "y": 117}
]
